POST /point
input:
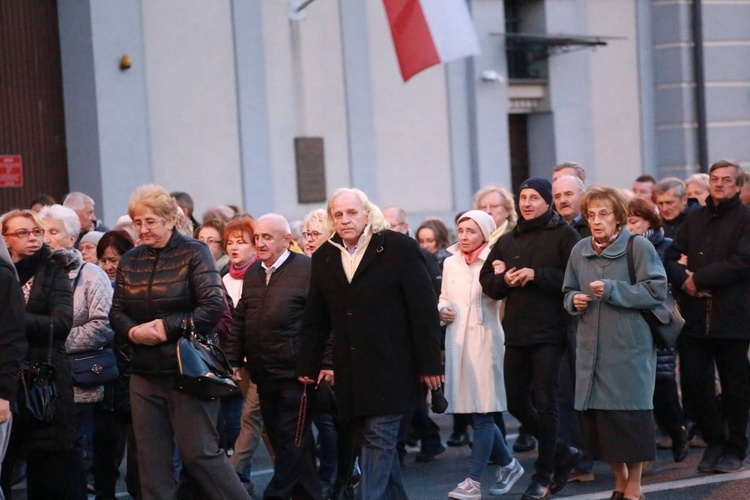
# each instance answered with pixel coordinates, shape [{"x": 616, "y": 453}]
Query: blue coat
[{"x": 615, "y": 354}]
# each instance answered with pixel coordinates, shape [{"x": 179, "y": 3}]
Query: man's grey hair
[
  {"x": 66, "y": 215},
  {"x": 184, "y": 201},
  {"x": 400, "y": 213},
  {"x": 580, "y": 171},
  {"x": 668, "y": 183},
  {"x": 577, "y": 180},
  {"x": 376, "y": 220},
  {"x": 77, "y": 200}
]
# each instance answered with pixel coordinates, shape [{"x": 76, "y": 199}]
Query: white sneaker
[
  {"x": 468, "y": 489},
  {"x": 506, "y": 477}
]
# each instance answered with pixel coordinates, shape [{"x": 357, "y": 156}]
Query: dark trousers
[
  {"x": 418, "y": 424},
  {"x": 294, "y": 471},
  {"x": 163, "y": 418},
  {"x": 531, "y": 384},
  {"x": 697, "y": 358},
  {"x": 667, "y": 408}
]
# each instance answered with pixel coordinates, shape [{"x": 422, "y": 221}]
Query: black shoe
[
  {"x": 536, "y": 491},
  {"x": 562, "y": 470},
  {"x": 430, "y": 455},
  {"x": 342, "y": 491},
  {"x": 710, "y": 458},
  {"x": 680, "y": 445},
  {"x": 617, "y": 495},
  {"x": 524, "y": 442},
  {"x": 458, "y": 439},
  {"x": 729, "y": 462}
]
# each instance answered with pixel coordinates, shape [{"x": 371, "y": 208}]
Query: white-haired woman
[
  {"x": 92, "y": 299},
  {"x": 161, "y": 286},
  {"x": 474, "y": 353}
]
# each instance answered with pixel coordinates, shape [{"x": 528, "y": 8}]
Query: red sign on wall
[{"x": 11, "y": 171}]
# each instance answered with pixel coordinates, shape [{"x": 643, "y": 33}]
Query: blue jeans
[
  {"x": 488, "y": 442},
  {"x": 381, "y": 471},
  {"x": 327, "y": 440}
]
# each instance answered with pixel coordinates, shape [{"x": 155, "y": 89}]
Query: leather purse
[
  {"x": 37, "y": 395},
  {"x": 664, "y": 321},
  {"x": 204, "y": 369},
  {"x": 93, "y": 368}
]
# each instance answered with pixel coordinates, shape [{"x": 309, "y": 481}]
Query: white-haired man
[
  {"x": 83, "y": 205},
  {"x": 370, "y": 287}
]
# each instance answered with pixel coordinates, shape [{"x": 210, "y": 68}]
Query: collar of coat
[
  {"x": 724, "y": 206},
  {"x": 376, "y": 245},
  {"x": 618, "y": 248}
]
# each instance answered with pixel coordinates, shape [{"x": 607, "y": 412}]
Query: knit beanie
[
  {"x": 92, "y": 237},
  {"x": 540, "y": 185}
]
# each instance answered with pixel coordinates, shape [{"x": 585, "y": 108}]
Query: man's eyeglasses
[
  {"x": 148, "y": 223},
  {"x": 24, "y": 233},
  {"x": 311, "y": 234}
]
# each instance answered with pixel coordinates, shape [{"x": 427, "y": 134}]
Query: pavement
[{"x": 664, "y": 480}]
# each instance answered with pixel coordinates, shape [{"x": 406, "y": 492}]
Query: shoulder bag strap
[
  {"x": 631, "y": 266},
  {"x": 78, "y": 276}
]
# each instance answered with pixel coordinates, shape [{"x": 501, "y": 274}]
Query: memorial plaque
[{"x": 311, "y": 174}]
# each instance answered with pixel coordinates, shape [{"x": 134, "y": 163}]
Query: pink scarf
[
  {"x": 473, "y": 256},
  {"x": 239, "y": 273}
]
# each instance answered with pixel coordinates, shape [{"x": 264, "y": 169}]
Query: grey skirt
[{"x": 619, "y": 435}]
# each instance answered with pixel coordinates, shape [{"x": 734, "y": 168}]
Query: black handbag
[
  {"x": 664, "y": 321},
  {"x": 37, "y": 395},
  {"x": 205, "y": 372},
  {"x": 93, "y": 368}
]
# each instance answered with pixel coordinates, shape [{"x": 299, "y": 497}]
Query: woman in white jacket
[{"x": 474, "y": 355}]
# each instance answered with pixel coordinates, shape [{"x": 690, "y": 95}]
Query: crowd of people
[{"x": 344, "y": 323}]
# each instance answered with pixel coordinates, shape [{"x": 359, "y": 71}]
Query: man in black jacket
[
  {"x": 266, "y": 330},
  {"x": 370, "y": 287},
  {"x": 715, "y": 287},
  {"x": 527, "y": 267}
]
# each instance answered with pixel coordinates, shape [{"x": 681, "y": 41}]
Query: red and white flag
[{"x": 429, "y": 32}]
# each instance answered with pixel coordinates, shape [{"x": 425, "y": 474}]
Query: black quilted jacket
[{"x": 171, "y": 283}]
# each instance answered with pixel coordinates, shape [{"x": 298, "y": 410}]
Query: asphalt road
[{"x": 664, "y": 480}]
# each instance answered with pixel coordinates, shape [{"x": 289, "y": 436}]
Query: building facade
[{"x": 262, "y": 105}]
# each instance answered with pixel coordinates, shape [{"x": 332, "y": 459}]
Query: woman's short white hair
[
  {"x": 376, "y": 220},
  {"x": 67, "y": 216}
]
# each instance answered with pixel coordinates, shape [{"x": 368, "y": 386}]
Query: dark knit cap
[{"x": 540, "y": 185}]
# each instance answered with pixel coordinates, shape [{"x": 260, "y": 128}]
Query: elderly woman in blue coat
[{"x": 615, "y": 353}]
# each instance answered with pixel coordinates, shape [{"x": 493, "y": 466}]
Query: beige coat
[{"x": 474, "y": 342}]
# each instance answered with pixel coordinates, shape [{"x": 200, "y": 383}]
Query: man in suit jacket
[{"x": 369, "y": 286}]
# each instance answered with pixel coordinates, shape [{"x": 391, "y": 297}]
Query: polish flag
[{"x": 429, "y": 32}]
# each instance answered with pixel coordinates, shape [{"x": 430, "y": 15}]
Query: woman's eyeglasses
[
  {"x": 148, "y": 223},
  {"x": 24, "y": 233},
  {"x": 311, "y": 234}
]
